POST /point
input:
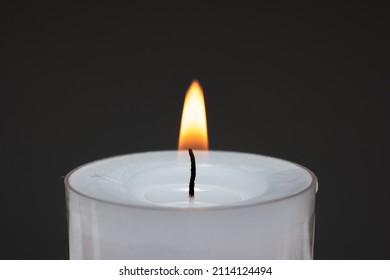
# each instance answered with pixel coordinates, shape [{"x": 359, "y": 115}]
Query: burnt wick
[{"x": 191, "y": 191}]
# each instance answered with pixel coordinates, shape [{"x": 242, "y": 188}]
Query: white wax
[{"x": 137, "y": 207}]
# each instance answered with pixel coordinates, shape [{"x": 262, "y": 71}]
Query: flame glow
[{"x": 193, "y": 127}]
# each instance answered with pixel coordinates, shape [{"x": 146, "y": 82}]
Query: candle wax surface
[{"x": 160, "y": 179}]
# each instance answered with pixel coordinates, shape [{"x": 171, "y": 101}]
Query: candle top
[{"x": 159, "y": 180}]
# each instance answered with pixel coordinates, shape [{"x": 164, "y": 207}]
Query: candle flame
[{"x": 193, "y": 127}]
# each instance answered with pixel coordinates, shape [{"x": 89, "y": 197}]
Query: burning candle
[{"x": 140, "y": 206}]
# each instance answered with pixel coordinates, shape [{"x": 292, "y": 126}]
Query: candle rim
[{"x": 313, "y": 184}]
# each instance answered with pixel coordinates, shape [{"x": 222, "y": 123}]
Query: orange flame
[{"x": 193, "y": 127}]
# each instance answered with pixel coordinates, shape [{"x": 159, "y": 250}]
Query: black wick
[{"x": 193, "y": 174}]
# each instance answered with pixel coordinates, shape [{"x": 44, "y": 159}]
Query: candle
[{"x": 137, "y": 206}]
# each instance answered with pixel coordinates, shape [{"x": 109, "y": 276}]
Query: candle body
[{"x": 266, "y": 210}]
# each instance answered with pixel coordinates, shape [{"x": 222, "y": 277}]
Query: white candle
[{"x": 137, "y": 206}]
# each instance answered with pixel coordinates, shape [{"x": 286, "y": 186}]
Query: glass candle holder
[{"x": 137, "y": 206}]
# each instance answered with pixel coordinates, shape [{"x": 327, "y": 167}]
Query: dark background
[{"x": 304, "y": 83}]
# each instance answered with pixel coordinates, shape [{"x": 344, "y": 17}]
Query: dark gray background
[{"x": 304, "y": 83}]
